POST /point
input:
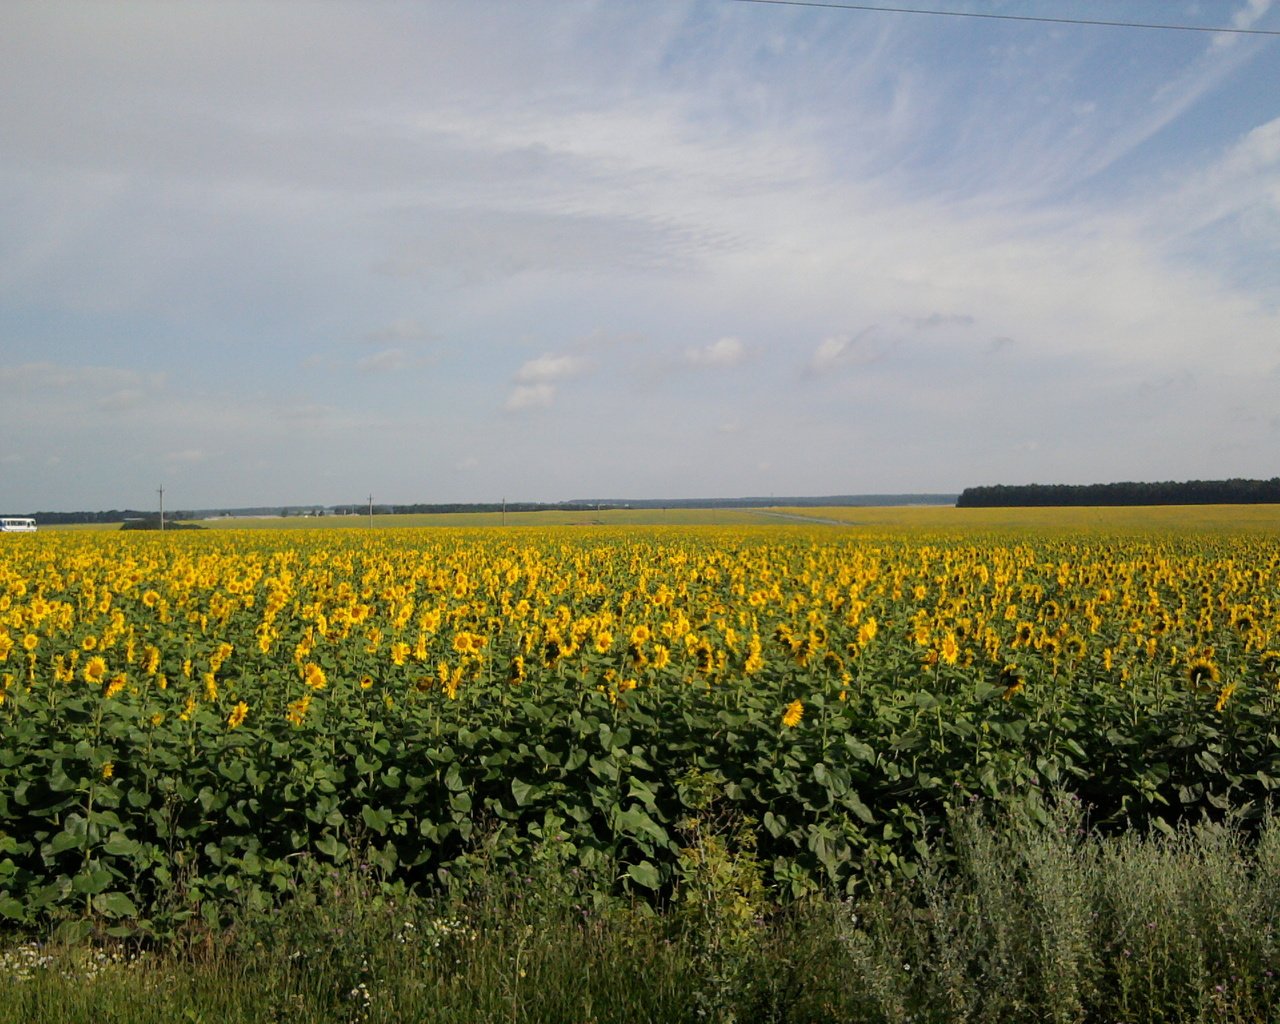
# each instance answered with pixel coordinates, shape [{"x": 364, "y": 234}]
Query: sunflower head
[{"x": 1202, "y": 672}]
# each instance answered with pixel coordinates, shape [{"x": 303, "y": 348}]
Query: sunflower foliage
[{"x": 189, "y": 720}]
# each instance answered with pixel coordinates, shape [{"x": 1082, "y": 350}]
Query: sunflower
[
  {"x": 313, "y": 675},
  {"x": 1012, "y": 680},
  {"x": 795, "y": 711},
  {"x": 950, "y": 649},
  {"x": 297, "y": 711},
  {"x": 94, "y": 670},
  {"x": 237, "y": 716},
  {"x": 1202, "y": 672}
]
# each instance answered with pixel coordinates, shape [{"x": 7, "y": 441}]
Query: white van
[{"x": 17, "y": 526}]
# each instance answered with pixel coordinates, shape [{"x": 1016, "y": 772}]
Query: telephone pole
[
  {"x": 161, "y": 493},
  {"x": 371, "y": 511}
]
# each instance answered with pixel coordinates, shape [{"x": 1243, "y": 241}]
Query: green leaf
[
  {"x": 453, "y": 778},
  {"x": 644, "y": 873},
  {"x": 67, "y": 841},
  {"x": 378, "y": 819},
  {"x": 524, "y": 792},
  {"x": 121, "y": 846},
  {"x": 92, "y": 880},
  {"x": 114, "y": 904},
  {"x": 12, "y": 908},
  {"x": 329, "y": 845}
]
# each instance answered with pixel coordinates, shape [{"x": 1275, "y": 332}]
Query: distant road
[{"x": 799, "y": 518}]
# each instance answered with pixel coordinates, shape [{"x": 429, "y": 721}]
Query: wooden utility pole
[
  {"x": 371, "y": 511},
  {"x": 161, "y": 493}
]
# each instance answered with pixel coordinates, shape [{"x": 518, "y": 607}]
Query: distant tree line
[
  {"x": 153, "y": 523},
  {"x": 115, "y": 515},
  {"x": 1235, "y": 491}
]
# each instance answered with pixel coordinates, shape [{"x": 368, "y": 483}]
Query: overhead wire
[{"x": 884, "y": 8}]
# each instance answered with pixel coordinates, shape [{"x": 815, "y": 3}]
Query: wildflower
[{"x": 795, "y": 711}]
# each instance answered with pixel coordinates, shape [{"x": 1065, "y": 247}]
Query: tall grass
[{"x": 1011, "y": 922}]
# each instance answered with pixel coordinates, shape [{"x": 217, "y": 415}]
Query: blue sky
[{"x": 277, "y": 253}]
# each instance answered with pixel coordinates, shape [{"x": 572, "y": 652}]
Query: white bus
[{"x": 17, "y": 526}]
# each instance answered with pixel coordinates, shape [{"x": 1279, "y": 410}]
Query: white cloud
[
  {"x": 547, "y": 368},
  {"x": 91, "y": 379},
  {"x": 722, "y": 353},
  {"x": 525, "y": 397},
  {"x": 390, "y": 360},
  {"x": 122, "y": 400},
  {"x": 848, "y": 350}
]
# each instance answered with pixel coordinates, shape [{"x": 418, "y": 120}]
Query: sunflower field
[{"x": 188, "y": 717}]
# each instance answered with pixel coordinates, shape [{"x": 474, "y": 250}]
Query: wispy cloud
[
  {"x": 722, "y": 353},
  {"x": 399, "y": 332},
  {"x": 839, "y": 352},
  {"x": 549, "y": 367},
  {"x": 389, "y": 360},
  {"x": 526, "y": 397}
]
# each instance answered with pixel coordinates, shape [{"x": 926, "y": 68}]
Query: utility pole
[
  {"x": 161, "y": 493},
  {"x": 371, "y": 511},
  {"x": 504, "y": 511}
]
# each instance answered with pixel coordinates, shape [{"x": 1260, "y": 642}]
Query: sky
[{"x": 277, "y": 253}]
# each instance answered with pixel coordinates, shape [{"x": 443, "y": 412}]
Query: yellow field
[{"x": 255, "y": 695}]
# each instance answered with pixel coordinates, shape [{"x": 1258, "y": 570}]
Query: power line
[{"x": 1014, "y": 17}]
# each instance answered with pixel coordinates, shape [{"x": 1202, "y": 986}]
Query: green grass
[{"x": 1015, "y": 924}]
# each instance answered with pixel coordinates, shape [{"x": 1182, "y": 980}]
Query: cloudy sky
[{"x": 458, "y": 251}]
